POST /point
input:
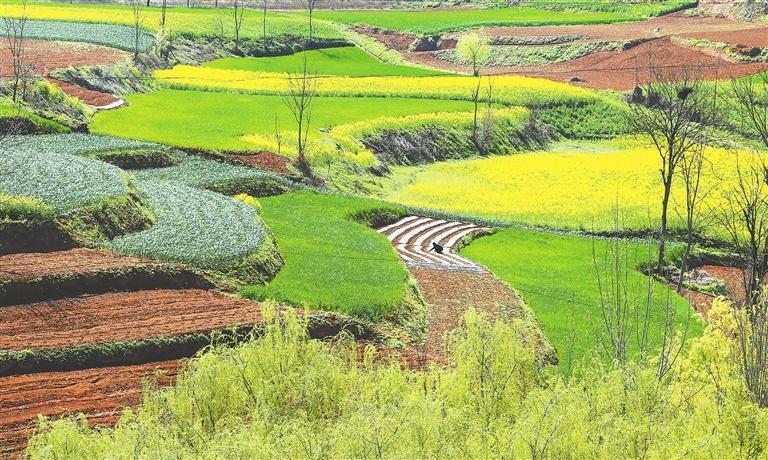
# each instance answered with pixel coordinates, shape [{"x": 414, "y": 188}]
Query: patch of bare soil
[
  {"x": 29, "y": 266},
  {"x": 662, "y": 26},
  {"x": 394, "y": 40},
  {"x": 46, "y": 56},
  {"x": 89, "y": 96},
  {"x": 100, "y": 394},
  {"x": 449, "y": 293},
  {"x": 117, "y": 317},
  {"x": 264, "y": 160},
  {"x": 624, "y": 69}
]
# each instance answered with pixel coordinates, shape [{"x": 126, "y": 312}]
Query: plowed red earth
[
  {"x": 449, "y": 293},
  {"x": 119, "y": 317},
  {"x": 265, "y": 160},
  {"x": 101, "y": 394},
  {"x": 29, "y": 266},
  {"x": 46, "y": 56},
  {"x": 90, "y": 97},
  {"x": 622, "y": 70}
]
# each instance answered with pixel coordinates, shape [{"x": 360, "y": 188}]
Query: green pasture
[
  {"x": 346, "y": 62},
  {"x": 424, "y": 22},
  {"x": 556, "y": 276},
  {"x": 216, "y": 120},
  {"x": 331, "y": 261}
]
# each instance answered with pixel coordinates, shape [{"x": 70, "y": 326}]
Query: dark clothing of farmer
[{"x": 437, "y": 248}]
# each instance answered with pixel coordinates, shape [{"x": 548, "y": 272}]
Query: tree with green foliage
[{"x": 474, "y": 49}]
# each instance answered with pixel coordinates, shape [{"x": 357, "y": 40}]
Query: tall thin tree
[
  {"x": 15, "y": 28},
  {"x": 299, "y": 98}
]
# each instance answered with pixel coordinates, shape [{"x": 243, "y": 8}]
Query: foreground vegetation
[{"x": 285, "y": 396}]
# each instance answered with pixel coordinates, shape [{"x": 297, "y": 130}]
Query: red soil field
[
  {"x": 124, "y": 316},
  {"x": 101, "y": 394},
  {"x": 449, "y": 293},
  {"x": 622, "y": 70},
  {"x": 46, "y": 56},
  {"x": 265, "y": 160},
  {"x": 29, "y": 266}
]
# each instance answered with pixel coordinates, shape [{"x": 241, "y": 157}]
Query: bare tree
[
  {"x": 278, "y": 137},
  {"x": 475, "y": 114},
  {"x": 302, "y": 89},
  {"x": 692, "y": 168},
  {"x": 752, "y": 348},
  {"x": 751, "y": 103},
  {"x": 310, "y": 5},
  {"x": 627, "y": 308},
  {"x": 744, "y": 217},
  {"x": 163, "y": 12},
  {"x": 138, "y": 22},
  {"x": 239, "y": 16},
  {"x": 264, "y": 18},
  {"x": 670, "y": 110},
  {"x": 14, "y": 34}
]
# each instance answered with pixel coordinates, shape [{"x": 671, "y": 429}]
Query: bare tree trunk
[
  {"x": 264, "y": 20},
  {"x": 299, "y": 99},
  {"x": 14, "y": 32},
  {"x": 163, "y": 13}
]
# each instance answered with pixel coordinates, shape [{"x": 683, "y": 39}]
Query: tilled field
[
  {"x": 45, "y": 56},
  {"x": 29, "y": 266},
  {"x": 124, "y": 316},
  {"x": 100, "y": 394},
  {"x": 625, "y": 68}
]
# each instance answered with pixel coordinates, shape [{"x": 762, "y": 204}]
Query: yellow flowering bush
[
  {"x": 249, "y": 200},
  {"x": 510, "y": 90}
]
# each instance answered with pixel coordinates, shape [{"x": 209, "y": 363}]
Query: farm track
[
  {"x": 448, "y": 282},
  {"x": 100, "y": 394}
]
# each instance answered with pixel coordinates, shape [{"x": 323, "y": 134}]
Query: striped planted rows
[{"x": 430, "y": 243}]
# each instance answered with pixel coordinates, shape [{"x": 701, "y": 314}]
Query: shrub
[
  {"x": 24, "y": 208},
  {"x": 250, "y": 201}
]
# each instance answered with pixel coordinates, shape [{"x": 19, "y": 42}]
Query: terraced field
[{"x": 295, "y": 235}]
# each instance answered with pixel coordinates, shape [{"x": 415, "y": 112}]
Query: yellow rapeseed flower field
[
  {"x": 191, "y": 20},
  {"x": 510, "y": 90},
  {"x": 569, "y": 189}
]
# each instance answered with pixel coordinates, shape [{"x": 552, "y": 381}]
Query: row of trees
[{"x": 682, "y": 115}]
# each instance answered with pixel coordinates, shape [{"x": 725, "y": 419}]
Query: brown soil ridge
[
  {"x": 29, "y": 266},
  {"x": 100, "y": 394},
  {"x": 450, "y": 293},
  {"x": 264, "y": 160},
  {"x": 121, "y": 317},
  {"x": 34, "y": 277}
]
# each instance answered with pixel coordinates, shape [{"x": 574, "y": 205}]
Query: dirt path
[
  {"x": 101, "y": 394},
  {"x": 449, "y": 293},
  {"x": 449, "y": 283}
]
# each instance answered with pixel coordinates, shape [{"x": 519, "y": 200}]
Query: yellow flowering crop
[
  {"x": 510, "y": 90},
  {"x": 573, "y": 190}
]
